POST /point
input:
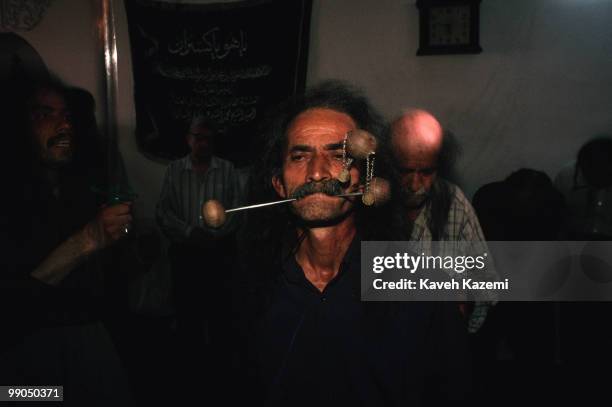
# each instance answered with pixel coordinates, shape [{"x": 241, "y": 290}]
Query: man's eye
[
  {"x": 40, "y": 114},
  {"x": 297, "y": 157},
  {"x": 338, "y": 156},
  {"x": 428, "y": 172}
]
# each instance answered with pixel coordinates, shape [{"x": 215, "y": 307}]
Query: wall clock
[{"x": 449, "y": 27}]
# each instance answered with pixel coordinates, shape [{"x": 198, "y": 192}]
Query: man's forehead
[
  {"x": 418, "y": 159},
  {"x": 319, "y": 126},
  {"x": 49, "y": 98}
]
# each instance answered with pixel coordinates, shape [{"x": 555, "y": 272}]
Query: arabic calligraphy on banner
[
  {"x": 208, "y": 44},
  {"x": 22, "y": 15},
  {"x": 228, "y": 62}
]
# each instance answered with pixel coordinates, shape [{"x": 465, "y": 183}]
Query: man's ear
[{"x": 278, "y": 186}]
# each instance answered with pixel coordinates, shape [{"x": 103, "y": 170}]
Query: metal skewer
[
  {"x": 214, "y": 213},
  {"x": 261, "y": 205}
]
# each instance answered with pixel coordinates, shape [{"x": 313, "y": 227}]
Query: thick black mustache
[{"x": 328, "y": 187}]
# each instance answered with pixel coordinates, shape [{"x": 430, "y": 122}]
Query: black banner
[{"x": 228, "y": 62}]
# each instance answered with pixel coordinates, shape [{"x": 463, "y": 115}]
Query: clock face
[{"x": 449, "y": 25}]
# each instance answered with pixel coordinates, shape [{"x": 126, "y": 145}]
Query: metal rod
[
  {"x": 261, "y": 205},
  {"x": 109, "y": 39}
]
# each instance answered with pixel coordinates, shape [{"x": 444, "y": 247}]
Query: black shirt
[
  {"x": 34, "y": 222},
  {"x": 329, "y": 348}
]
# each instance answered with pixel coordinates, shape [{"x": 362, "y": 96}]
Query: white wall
[
  {"x": 539, "y": 90},
  {"x": 541, "y": 87},
  {"x": 67, "y": 40}
]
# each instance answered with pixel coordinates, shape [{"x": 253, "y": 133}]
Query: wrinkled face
[
  {"x": 312, "y": 162},
  {"x": 50, "y": 128},
  {"x": 418, "y": 171},
  {"x": 200, "y": 140}
]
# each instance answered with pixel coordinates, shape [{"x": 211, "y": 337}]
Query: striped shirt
[{"x": 184, "y": 191}]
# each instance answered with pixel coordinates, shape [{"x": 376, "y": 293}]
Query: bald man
[
  {"x": 417, "y": 141},
  {"x": 438, "y": 209}
]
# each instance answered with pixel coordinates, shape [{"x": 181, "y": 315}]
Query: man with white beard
[{"x": 438, "y": 209}]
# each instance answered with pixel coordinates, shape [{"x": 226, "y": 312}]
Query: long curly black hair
[{"x": 271, "y": 231}]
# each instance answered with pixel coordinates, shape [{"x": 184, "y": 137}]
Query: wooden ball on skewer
[
  {"x": 360, "y": 144},
  {"x": 378, "y": 193},
  {"x": 213, "y": 213}
]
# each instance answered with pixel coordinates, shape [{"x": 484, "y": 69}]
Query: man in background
[
  {"x": 438, "y": 209},
  {"x": 201, "y": 256},
  {"x": 586, "y": 185},
  {"x": 54, "y": 230}
]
